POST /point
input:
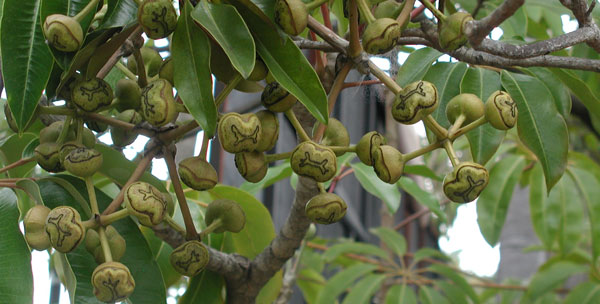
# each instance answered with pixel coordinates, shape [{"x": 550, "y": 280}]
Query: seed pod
[
  {"x": 83, "y": 162},
  {"x": 231, "y": 215},
  {"x": 414, "y": 102},
  {"x": 112, "y": 282},
  {"x": 158, "y": 104},
  {"x": 47, "y": 155},
  {"x": 501, "y": 111},
  {"x": 465, "y": 182},
  {"x": 388, "y": 9},
  {"x": 63, "y": 33},
  {"x": 336, "y": 134},
  {"x": 157, "y": 17},
  {"x": 224, "y": 71},
  {"x": 35, "y": 227},
  {"x": 259, "y": 72},
  {"x": 381, "y": 36},
  {"x": 51, "y": 133},
  {"x": 326, "y": 208},
  {"x": 116, "y": 243},
  {"x": 239, "y": 133},
  {"x": 146, "y": 203},
  {"x": 166, "y": 71},
  {"x": 252, "y": 166},
  {"x": 467, "y": 104},
  {"x": 451, "y": 32},
  {"x": 152, "y": 62},
  {"x": 291, "y": 16},
  {"x": 276, "y": 98},
  {"x": 128, "y": 94},
  {"x": 315, "y": 161},
  {"x": 88, "y": 138},
  {"x": 190, "y": 258},
  {"x": 96, "y": 126},
  {"x": 10, "y": 119},
  {"x": 64, "y": 228},
  {"x": 269, "y": 130},
  {"x": 388, "y": 163},
  {"x": 67, "y": 148},
  {"x": 92, "y": 95},
  {"x": 198, "y": 174},
  {"x": 366, "y": 144},
  {"x": 120, "y": 137}
]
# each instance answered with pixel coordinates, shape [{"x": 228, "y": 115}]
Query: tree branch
[
  {"x": 583, "y": 14},
  {"x": 478, "y": 29}
]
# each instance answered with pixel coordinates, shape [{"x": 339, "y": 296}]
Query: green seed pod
[
  {"x": 252, "y": 166},
  {"x": 92, "y": 95},
  {"x": 388, "y": 9},
  {"x": 146, "y": 203},
  {"x": 501, "y": 111},
  {"x": 467, "y": 104},
  {"x": 10, "y": 119},
  {"x": 51, "y": 133},
  {"x": 128, "y": 94},
  {"x": 465, "y": 182},
  {"x": 311, "y": 232},
  {"x": 120, "y": 137},
  {"x": 451, "y": 32},
  {"x": 366, "y": 144},
  {"x": 276, "y": 98},
  {"x": 47, "y": 155},
  {"x": 170, "y": 203},
  {"x": 190, "y": 258},
  {"x": 152, "y": 62},
  {"x": 116, "y": 243},
  {"x": 231, "y": 215},
  {"x": 336, "y": 134},
  {"x": 291, "y": 16},
  {"x": 381, "y": 36},
  {"x": 166, "y": 71},
  {"x": 198, "y": 174},
  {"x": 112, "y": 282},
  {"x": 312, "y": 160},
  {"x": 67, "y": 148},
  {"x": 158, "y": 104},
  {"x": 239, "y": 133},
  {"x": 96, "y": 126},
  {"x": 388, "y": 163},
  {"x": 269, "y": 130},
  {"x": 83, "y": 162},
  {"x": 88, "y": 138},
  {"x": 326, "y": 208},
  {"x": 259, "y": 72},
  {"x": 414, "y": 102},
  {"x": 157, "y": 17},
  {"x": 35, "y": 227},
  {"x": 64, "y": 228},
  {"x": 63, "y": 33},
  {"x": 224, "y": 71}
]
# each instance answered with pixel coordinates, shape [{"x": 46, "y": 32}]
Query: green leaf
[
  {"x": 351, "y": 247},
  {"x": 560, "y": 92},
  {"x": 362, "y": 291},
  {"x": 26, "y": 58},
  {"x": 400, "y": 294},
  {"x": 580, "y": 89},
  {"x": 428, "y": 295},
  {"x": 492, "y": 205},
  {"x": 16, "y": 285},
  {"x": 551, "y": 277},
  {"x": 422, "y": 196},
  {"x": 161, "y": 252},
  {"x": 341, "y": 281},
  {"x": 571, "y": 214},
  {"x": 309, "y": 282},
  {"x": 191, "y": 68},
  {"x": 394, "y": 240},
  {"x": 545, "y": 213},
  {"x": 11, "y": 151},
  {"x": 101, "y": 54},
  {"x": 233, "y": 35},
  {"x": 65, "y": 273},
  {"x": 416, "y": 65},
  {"x": 119, "y": 13},
  {"x": 287, "y": 64},
  {"x": 422, "y": 170},
  {"x": 485, "y": 140},
  {"x": 387, "y": 193},
  {"x": 204, "y": 288},
  {"x": 540, "y": 125},
  {"x": 274, "y": 174},
  {"x": 453, "y": 276},
  {"x": 425, "y": 253},
  {"x": 589, "y": 190},
  {"x": 453, "y": 294},
  {"x": 584, "y": 293}
]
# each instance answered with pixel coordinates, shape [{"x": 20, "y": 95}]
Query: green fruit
[
  {"x": 388, "y": 163},
  {"x": 228, "y": 212},
  {"x": 96, "y": 126},
  {"x": 388, "y": 9},
  {"x": 269, "y": 130},
  {"x": 367, "y": 144},
  {"x": 92, "y": 95},
  {"x": 128, "y": 94},
  {"x": 336, "y": 134},
  {"x": 152, "y": 62},
  {"x": 451, "y": 32},
  {"x": 47, "y": 155},
  {"x": 276, "y": 98},
  {"x": 198, "y": 174},
  {"x": 252, "y": 166},
  {"x": 157, "y": 17},
  {"x": 166, "y": 71},
  {"x": 51, "y": 133},
  {"x": 158, "y": 104},
  {"x": 63, "y": 33},
  {"x": 414, "y": 102},
  {"x": 501, "y": 111},
  {"x": 146, "y": 203},
  {"x": 315, "y": 161},
  {"x": 35, "y": 227},
  {"x": 467, "y": 104},
  {"x": 259, "y": 72},
  {"x": 67, "y": 148},
  {"x": 64, "y": 228},
  {"x": 381, "y": 36},
  {"x": 112, "y": 282},
  {"x": 239, "y": 133},
  {"x": 326, "y": 208},
  {"x": 120, "y": 137},
  {"x": 83, "y": 162},
  {"x": 88, "y": 138},
  {"x": 116, "y": 243},
  {"x": 291, "y": 16},
  {"x": 10, "y": 119},
  {"x": 190, "y": 258},
  {"x": 221, "y": 67},
  {"x": 465, "y": 182}
]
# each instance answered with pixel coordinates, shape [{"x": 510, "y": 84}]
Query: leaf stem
[
  {"x": 340, "y": 149},
  {"x": 18, "y": 163},
  {"x": 171, "y": 222},
  {"x": 440, "y": 132},
  {"x": 451, "y": 153},
  {"x": 119, "y": 65},
  {"x": 113, "y": 217},
  {"x": 216, "y": 224},
  {"x": 105, "y": 245},
  {"x": 422, "y": 151},
  {"x": 204, "y": 148},
  {"x": 404, "y": 16},
  {"x": 312, "y": 5},
  {"x": 387, "y": 80},
  {"x": 89, "y": 184},
  {"x": 456, "y": 125},
  {"x": 227, "y": 89},
  {"x": 439, "y": 15},
  {"x": 480, "y": 121},
  {"x": 365, "y": 11},
  {"x": 86, "y": 10},
  {"x": 278, "y": 156},
  {"x": 296, "y": 124}
]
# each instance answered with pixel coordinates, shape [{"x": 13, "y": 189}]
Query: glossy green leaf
[
  {"x": 545, "y": 213},
  {"x": 26, "y": 58},
  {"x": 201, "y": 289},
  {"x": 579, "y": 88},
  {"x": 191, "y": 67},
  {"x": 351, "y": 247},
  {"x": 363, "y": 291},
  {"x": 584, "y": 293},
  {"x": 400, "y": 294},
  {"x": 341, "y": 281},
  {"x": 589, "y": 191},
  {"x": 422, "y": 170},
  {"x": 416, "y": 65},
  {"x": 485, "y": 140},
  {"x": 392, "y": 239},
  {"x": 274, "y": 174},
  {"x": 65, "y": 273},
  {"x": 453, "y": 276},
  {"x": 560, "y": 92},
  {"x": 11, "y": 151},
  {"x": 453, "y": 294},
  {"x": 428, "y": 295},
  {"x": 311, "y": 283},
  {"x": 102, "y": 54},
  {"x": 232, "y": 35},
  {"x": 551, "y": 277},
  {"x": 423, "y": 197},
  {"x": 119, "y": 13},
  {"x": 32, "y": 189},
  {"x": 540, "y": 125},
  {"x": 492, "y": 205},
  {"x": 425, "y": 253},
  {"x": 571, "y": 214},
  {"x": 16, "y": 285},
  {"x": 387, "y": 193},
  {"x": 161, "y": 252}
]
